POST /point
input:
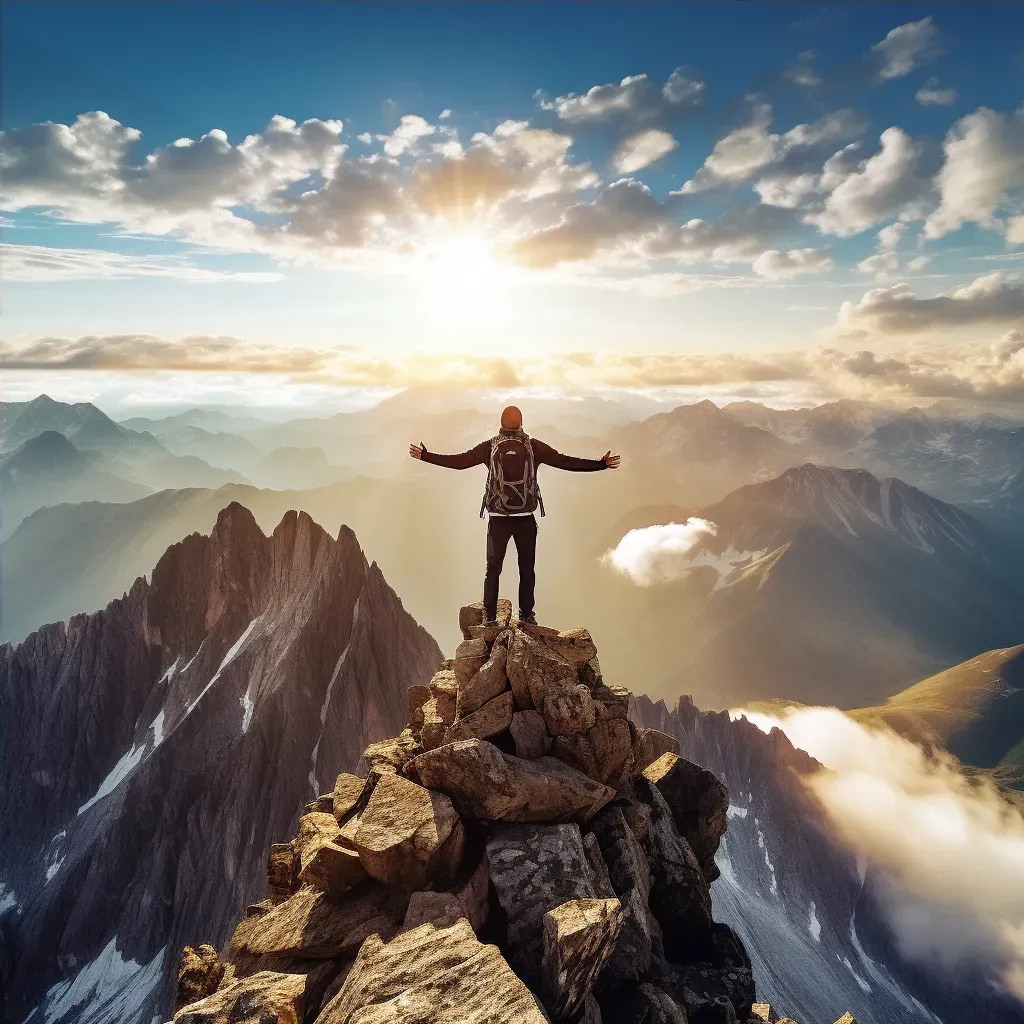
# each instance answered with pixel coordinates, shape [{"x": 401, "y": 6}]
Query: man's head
[{"x": 511, "y": 418}]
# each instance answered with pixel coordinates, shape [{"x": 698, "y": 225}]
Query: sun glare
[{"x": 463, "y": 280}]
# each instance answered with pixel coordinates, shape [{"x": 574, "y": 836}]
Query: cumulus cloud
[
  {"x": 984, "y": 159},
  {"x": 637, "y": 151},
  {"x": 883, "y": 265},
  {"x": 991, "y": 298},
  {"x": 752, "y": 148},
  {"x": 951, "y": 850},
  {"x": 905, "y": 48},
  {"x": 801, "y": 72},
  {"x": 775, "y": 264},
  {"x": 39, "y": 263},
  {"x": 740, "y": 234},
  {"x": 411, "y": 128},
  {"x": 889, "y": 236},
  {"x": 891, "y": 183},
  {"x": 634, "y": 97},
  {"x": 659, "y": 554},
  {"x": 930, "y": 95},
  {"x": 918, "y": 263}
]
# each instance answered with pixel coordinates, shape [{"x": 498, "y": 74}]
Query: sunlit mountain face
[{"x": 768, "y": 255}]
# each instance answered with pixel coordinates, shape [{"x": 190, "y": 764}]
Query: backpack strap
[
  {"x": 533, "y": 466},
  {"x": 488, "y": 482}
]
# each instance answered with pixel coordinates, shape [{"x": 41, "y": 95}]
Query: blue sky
[{"x": 594, "y": 234}]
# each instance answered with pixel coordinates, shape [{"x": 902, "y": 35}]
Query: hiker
[{"x": 511, "y": 496}]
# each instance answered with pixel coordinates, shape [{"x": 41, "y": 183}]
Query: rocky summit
[{"x": 521, "y": 853}]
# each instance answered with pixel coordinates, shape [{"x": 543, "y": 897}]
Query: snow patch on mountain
[{"x": 109, "y": 990}]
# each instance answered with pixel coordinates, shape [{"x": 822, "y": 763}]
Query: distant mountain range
[
  {"x": 153, "y": 751},
  {"x": 821, "y": 585},
  {"x": 974, "y": 710}
]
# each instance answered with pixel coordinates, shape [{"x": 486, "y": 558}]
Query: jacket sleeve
[
  {"x": 478, "y": 456},
  {"x": 545, "y": 455}
]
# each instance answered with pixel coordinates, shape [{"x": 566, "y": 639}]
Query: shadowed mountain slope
[{"x": 154, "y": 749}]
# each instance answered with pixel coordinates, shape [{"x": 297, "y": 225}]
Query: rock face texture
[
  {"x": 556, "y": 883},
  {"x": 154, "y": 751}
]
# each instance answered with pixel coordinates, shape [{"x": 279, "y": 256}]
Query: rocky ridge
[{"x": 522, "y": 852}]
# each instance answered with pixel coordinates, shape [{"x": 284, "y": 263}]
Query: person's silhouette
[{"x": 511, "y": 497}]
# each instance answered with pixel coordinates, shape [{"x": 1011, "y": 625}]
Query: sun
[{"x": 462, "y": 279}]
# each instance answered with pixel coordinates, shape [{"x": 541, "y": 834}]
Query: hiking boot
[{"x": 529, "y": 620}]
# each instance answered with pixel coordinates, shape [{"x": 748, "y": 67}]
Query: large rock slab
[
  {"x": 680, "y": 897},
  {"x": 579, "y": 937},
  {"x": 263, "y": 998},
  {"x": 486, "y": 784},
  {"x": 533, "y": 669},
  {"x": 485, "y": 685},
  {"x": 535, "y": 869},
  {"x": 494, "y": 717},
  {"x": 333, "y": 868},
  {"x": 313, "y": 925},
  {"x": 698, "y": 801},
  {"x": 409, "y": 835},
  {"x": 432, "y": 975}
]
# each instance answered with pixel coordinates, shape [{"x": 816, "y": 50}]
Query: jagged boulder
[
  {"x": 409, "y": 835},
  {"x": 486, "y": 784},
  {"x": 470, "y": 657},
  {"x": 419, "y": 694},
  {"x": 263, "y": 998},
  {"x": 575, "y": 645},
  {"x": 699, "y": 803},
  {"x": 611, "y": 740},
  {"x": 199, "y": 973},
  {"x": 348, "y": 793},
  {"x": 432, "y": 975},
  {"x": 534, "y": 869},
  {"x": 680, "y": 900},
  {"x": 533, "y": 669},
  {"x": 765, "y": 1012},
  {"x": 322, "y": 862},
  {"x": 567, "y": 707},
  {"x": 494, "y": 717},
  {"x": 486, "y": 684},
  {"x": 847, "y": 1018},
  {"x": 578, "y": 938},
  {"x": 611, "y": 701},
  {"x": 630, "y": 877}
]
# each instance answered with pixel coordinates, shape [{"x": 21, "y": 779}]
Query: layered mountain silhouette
[
  {"x": 48, "y": 470},
  {"x": 154, "y": 749}
]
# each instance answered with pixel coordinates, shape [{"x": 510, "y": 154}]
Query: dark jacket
[{"x": 543, "y": 455}]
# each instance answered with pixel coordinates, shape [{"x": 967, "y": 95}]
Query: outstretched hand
[
  {"x": 611, "y": 461},
  {"x": 415, "y": 451}
]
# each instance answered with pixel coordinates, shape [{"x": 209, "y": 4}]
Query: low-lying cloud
[
  {"x": 659, "y": 554},
  {"x": 951, "y": 849}
]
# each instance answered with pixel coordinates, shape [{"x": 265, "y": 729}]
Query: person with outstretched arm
[{"x": 511, "y": 497}]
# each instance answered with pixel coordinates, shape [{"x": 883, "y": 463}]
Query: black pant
[{"x": 500, "y": 529}]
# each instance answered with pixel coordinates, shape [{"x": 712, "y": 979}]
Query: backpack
[{"x": 511, "y": 477}]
